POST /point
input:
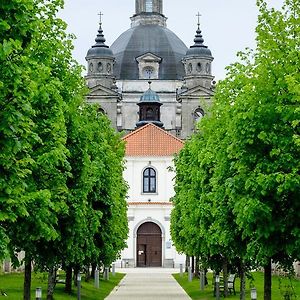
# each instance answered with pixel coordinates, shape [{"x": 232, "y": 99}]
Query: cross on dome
[
  {"x": 198, "y": 15},
  {"x": 100, "y": 17}
]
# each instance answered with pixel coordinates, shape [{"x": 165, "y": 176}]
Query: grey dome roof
[
  {"x": 198, "y": 49},
  {"x": 142, "y": 39},
  {"x": 203, "y": 51},
  {"x": 99, "y": 49},
  {"x": 149, "y": 97}
]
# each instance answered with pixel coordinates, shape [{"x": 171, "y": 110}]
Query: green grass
[
  {"x": 12, "y": 284},
  {"x": 279, "y": 286}
]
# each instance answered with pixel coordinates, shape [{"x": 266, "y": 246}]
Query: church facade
[{"x": 154, "y": 89}]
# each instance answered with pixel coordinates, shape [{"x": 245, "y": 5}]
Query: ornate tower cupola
[
  {"x": 100, "y": 61},
  {"x": 149, "y": 108},
  {"x": 148, "y": 12},
  {"x": 197, "y": 63}
]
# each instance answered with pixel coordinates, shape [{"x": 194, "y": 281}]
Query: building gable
[{"x": 151, "y": 140}]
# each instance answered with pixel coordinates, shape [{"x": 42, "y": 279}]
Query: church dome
[{"x": 152, "y": 38}]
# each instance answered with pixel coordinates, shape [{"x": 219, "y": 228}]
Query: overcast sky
[{"x": 228, "y": 26}]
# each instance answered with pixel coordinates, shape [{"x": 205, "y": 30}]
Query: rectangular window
[{"x": 149, "y": 6}]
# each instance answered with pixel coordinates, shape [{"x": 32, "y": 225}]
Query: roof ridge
[
  {"x": 156, "y": 127},
  {"x": 167, "y": 133},
  {"x": 135, "y": 131}
]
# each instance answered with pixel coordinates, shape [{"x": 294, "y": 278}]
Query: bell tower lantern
[
  {"x": 148, "y": 12},
  {"x": 148, "y": 6}
]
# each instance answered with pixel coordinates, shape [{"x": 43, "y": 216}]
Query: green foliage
[
  {"x": 238, "y": 177},
  {"x": 61, "y": 163}
]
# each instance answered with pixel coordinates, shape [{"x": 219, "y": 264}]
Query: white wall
[
  {"x": 133, "y": 174},
  {"x": 157, "y": 213}
]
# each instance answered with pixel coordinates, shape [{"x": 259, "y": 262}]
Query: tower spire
[
  {"x": 198, "y": 15},
  {"x": 198, "y": 37},
  {"x": 100, "y": 39}
]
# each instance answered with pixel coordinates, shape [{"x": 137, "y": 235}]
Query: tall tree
[{"x": 250, "y": 143}]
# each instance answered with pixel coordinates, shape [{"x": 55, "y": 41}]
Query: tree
[
  {"x": 248, "y": 154},
  {"x": 265, "y": 135},
  {"x": 16, "y": 112}
]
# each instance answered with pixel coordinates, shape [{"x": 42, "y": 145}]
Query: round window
[{"x": 198, "y": 114}]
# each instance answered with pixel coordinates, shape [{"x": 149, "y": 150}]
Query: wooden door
[
  {"x": 149, "y": 245},
  {"x": 141, "y": 255}
]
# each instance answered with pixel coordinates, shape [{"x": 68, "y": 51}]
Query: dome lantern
[
  {"x": 149, "y": 108},
  {"x": 148, "y": 12}
]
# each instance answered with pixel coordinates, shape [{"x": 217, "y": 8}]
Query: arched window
[
  {"x": 149, "y": 181},
  {"x": 149, "y": 5},
  {"x": 198, "y": 114}
]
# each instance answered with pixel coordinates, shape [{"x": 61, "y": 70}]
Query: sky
[{"x": 228, "y": 26}]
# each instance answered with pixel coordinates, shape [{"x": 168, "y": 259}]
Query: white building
[{"x": 149, "y": 164}]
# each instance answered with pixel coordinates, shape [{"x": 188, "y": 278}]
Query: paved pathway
[{"x": 148, "y": 283}]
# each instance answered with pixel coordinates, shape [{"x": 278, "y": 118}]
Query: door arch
[{"x": 149, "y": 245}]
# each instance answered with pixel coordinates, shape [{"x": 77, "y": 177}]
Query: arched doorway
[{"x": 149, "y": 245}]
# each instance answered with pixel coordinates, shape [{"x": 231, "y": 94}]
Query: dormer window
[
  {"x": 148, "y": 64},
  {"x": 149, "y": 6}
]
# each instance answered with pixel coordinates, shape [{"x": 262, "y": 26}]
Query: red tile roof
[{"x": 151, "y": 140}]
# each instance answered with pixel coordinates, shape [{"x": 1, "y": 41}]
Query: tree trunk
[
  {"x": 193, "y": 264},
  {"x": 76, "y": 271},
  {"x": 94, "y": 266},
  {"x": 197, "y": 267},
  {"x": 268, "y": 281},
  {"x": 87, "y": 273},
  {"x": 27, "y": 279},
  {"x": 187, "y": 263},
  {"x": 225, "y": 276},
  {"x": 51, "y": 283},
  {"x": 68, "y": 286},
  {"x": 243, "y": 282}
]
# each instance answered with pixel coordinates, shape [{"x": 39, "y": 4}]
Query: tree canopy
[
  {"x": 61, "y": 163},
  {"x": 238, "y": 177}
]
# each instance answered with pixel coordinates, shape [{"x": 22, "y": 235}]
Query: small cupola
[
  {"x": 100, "y": 60},
  {"x": 197, "y": 61},
  {"x": 149, "y": 108}
]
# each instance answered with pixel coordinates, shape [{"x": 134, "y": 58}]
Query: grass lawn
[
  {"x": 12, "y": 284},
  {"x": 279, "y": 285}
]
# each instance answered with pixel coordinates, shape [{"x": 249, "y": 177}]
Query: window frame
[{"x": 146, "y": 185}]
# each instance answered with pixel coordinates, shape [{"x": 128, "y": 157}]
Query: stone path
[{"x": 148, "y": 283}]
